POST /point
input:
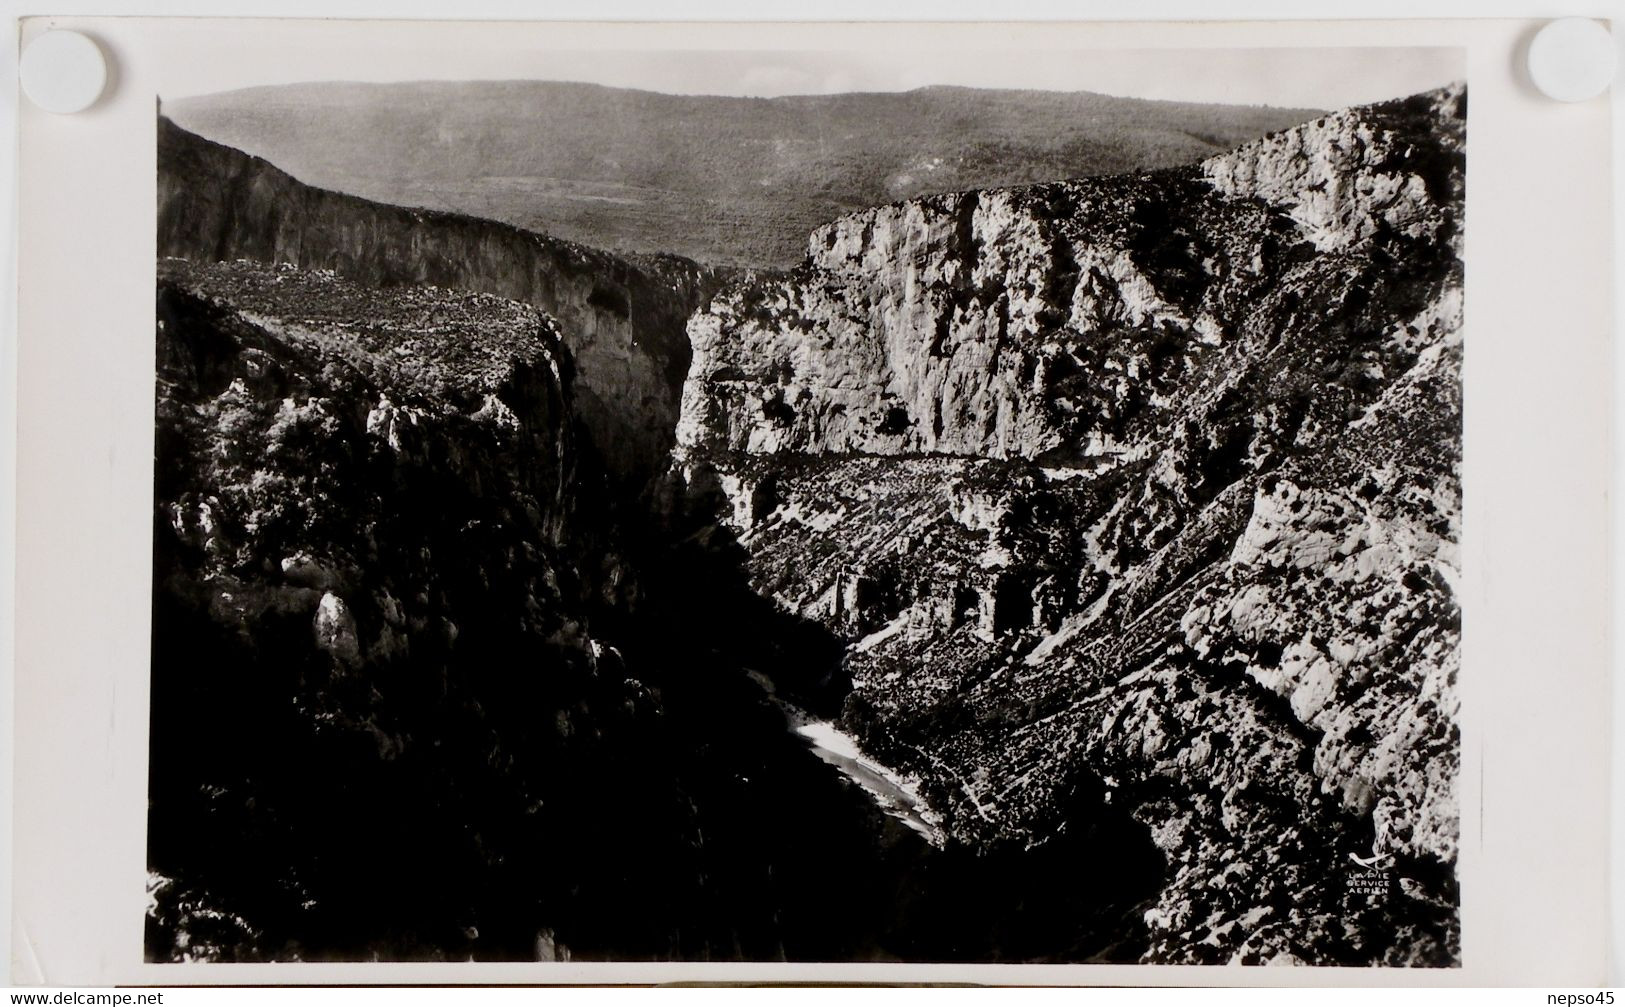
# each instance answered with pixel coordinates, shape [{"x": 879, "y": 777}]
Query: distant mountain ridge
[{"x": 724, "y": 180}]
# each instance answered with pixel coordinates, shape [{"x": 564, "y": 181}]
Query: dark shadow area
[{"x": 584, "y": 771}]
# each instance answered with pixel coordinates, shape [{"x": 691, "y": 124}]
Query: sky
[{"x": 1323, "y": 78}]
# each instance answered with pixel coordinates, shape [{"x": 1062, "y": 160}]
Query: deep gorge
[{"x": 467, "y": 541}]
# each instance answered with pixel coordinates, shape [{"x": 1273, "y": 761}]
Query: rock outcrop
[
  {"x": 621, "y": 320},
  {"x": 371, "y": 643},
  {"x": 1149, "y": 483}
]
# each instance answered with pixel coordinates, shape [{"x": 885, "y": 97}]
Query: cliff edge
[{"x": 621, "y": 320}]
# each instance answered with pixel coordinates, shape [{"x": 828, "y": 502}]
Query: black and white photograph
[{"x": 811, "y": 505}]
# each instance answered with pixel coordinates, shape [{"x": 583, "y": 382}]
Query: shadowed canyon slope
[
  {"x": 367, "y": 598},
  {"x": 1151, "y": 482},
  {"x": 725, "y": 180}
]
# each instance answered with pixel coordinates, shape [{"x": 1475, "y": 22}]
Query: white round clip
[
  {"x": 1572, "y": 59},
  {"x": 63, "y": 72}
]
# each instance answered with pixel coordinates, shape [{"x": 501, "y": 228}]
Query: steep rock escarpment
[
  {"x": 984, "y": 323},
  {"x": 1147, "y": 482},
  {"x": 622, "y": 320}
]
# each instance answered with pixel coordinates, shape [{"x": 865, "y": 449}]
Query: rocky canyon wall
[
  {"x": 380, "y": 720},
  {"x": 400, "y": 707},
  {"x": 621, "y": 320},
  {"x": 1150, "y": 483}
]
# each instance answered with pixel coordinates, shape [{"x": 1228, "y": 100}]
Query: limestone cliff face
[
  {"x": 1037, "y": 321},
  {"x": 622, "y": 321},
  {"x": 1148, "y": 482}
]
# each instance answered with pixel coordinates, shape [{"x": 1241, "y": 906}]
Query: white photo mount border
[{"x": 1538, "y": 453}]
